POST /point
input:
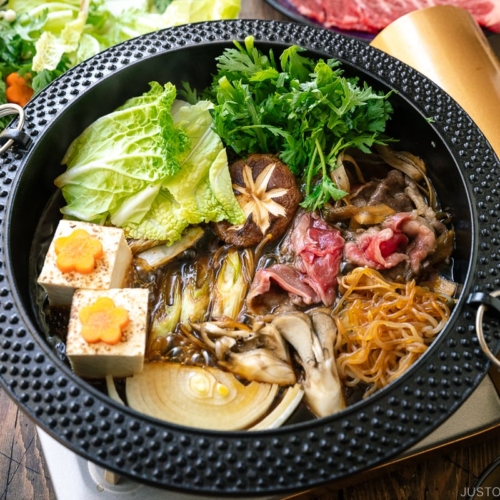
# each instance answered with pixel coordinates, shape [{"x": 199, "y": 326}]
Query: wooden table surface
[{"x": 448, "y": 476}]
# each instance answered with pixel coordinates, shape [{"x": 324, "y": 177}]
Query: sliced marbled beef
[
  {"x": 288, "y": 278},
  {"x": 402, "y": 236},
  {"x": 389, "y": 191},
  {"x": 318, "y": 248},
  {"x": 374, "y": 15},
  {"x": 377, "y": 248},
  {"x": 422, "y": 236},
  {"x": 311, "y": 277}
]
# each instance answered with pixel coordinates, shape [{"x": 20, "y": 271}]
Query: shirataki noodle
[{"x": 383, "y": 327}]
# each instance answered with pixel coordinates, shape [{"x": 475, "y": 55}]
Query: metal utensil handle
[
  {"x": 10, "y": 109},
  {"x": 484, "y": 301}
]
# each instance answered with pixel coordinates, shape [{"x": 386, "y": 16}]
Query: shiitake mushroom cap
[{"x": 249, "y": 233}]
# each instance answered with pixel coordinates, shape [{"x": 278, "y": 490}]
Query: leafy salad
[
  {"x": 41, "y": 39},
  {"x": 158, "y": 163}
]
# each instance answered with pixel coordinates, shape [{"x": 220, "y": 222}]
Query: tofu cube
[
  {"x": 110, "y": 271},
  {"x": 96, "y": 360}
]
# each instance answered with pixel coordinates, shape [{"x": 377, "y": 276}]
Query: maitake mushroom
[
  {"x": 268, "y": 194},
  {"x": 312, "y": 335},
  {"x": 258, "y": 354}
]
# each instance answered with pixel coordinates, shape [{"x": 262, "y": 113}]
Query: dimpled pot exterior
[{"x": 466, "y": 175}]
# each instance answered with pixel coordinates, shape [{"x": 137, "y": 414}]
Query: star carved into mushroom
[
  {"x": 256, "y": 200},
  {"x": 267, "y": 192}
]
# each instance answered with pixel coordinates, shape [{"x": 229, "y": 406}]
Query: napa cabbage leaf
[{"x": 153, "y": 166}]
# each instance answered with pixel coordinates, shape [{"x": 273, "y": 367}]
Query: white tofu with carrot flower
[
  {"x": 84, "y": 255},
  {"x": 107, "y": 332}
]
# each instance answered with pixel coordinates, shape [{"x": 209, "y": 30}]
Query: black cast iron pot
[{"x": 429, "y": 123}]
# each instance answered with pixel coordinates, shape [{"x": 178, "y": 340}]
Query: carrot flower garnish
[
  {"x": 77, "y": 252},
  {"x": 103, "y": 321},
  {"x": 19, "y": 90}
]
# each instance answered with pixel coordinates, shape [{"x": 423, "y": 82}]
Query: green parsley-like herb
[
  {"x": 300, "y": 108},
  {"x": 162, "y": 5}
]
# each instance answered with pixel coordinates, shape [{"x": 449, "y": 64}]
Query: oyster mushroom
[
  {"x": 267, "y": 192},
  {"x": 312, "y": 336},
  {"x": 259, "y": 354}
]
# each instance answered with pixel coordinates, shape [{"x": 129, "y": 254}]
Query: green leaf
[
  {"x": 302, "y": 109},
  {"x": 153, "y": 166},
  {"x": 161, "y": 5},
  {"x": 66, "y": 35},
  {"x": 122, "y": 153},
  {"x": 188, "y": 93},
  {"x": 295, "y": 65},
  {"x": 322, "y": 193}
]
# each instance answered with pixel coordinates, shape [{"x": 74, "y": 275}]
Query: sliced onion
[
  {"x": 404, "y": 161},
  {"x": 344, "y": 157},
  {"x": 339, "y": 175},
  {"x": 373, "y": 214},
  {"x": 412, "y": 166},
  {"x": 288, "y": 404},
  {"x": 206, "y": 398},
  {"x": 111, "y": 388},
  {"x": 161, "y": 254},
  {"x": 440, "y": 284},
  {"x": 367, "y": 214}
]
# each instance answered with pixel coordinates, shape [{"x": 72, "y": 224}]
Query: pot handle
[
  {"x": 485, "y": 301},
  {"x": 10, "y": 136}
]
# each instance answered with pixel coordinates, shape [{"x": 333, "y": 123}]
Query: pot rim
[{"x": 294, "y": 457}]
